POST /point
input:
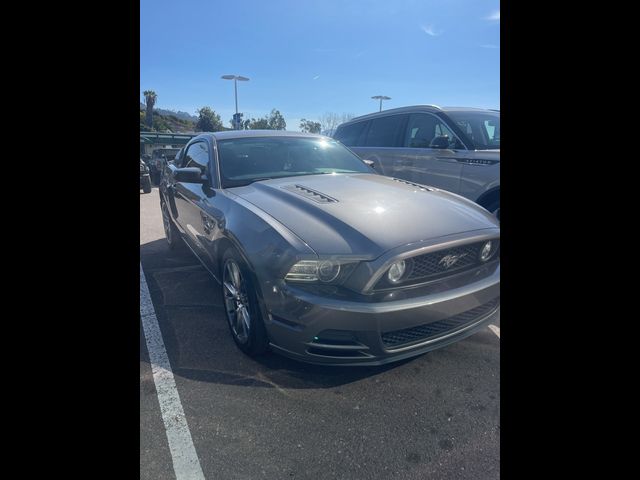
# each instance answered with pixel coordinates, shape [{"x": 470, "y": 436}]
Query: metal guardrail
[{"x": 159, "y": 137}]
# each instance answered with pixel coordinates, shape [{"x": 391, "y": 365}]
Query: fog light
[
  {"x": 396, "y": 271},
  {"x": 487, "y": 250}
]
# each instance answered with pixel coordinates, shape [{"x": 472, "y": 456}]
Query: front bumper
[{"x": 322, "y": 330}]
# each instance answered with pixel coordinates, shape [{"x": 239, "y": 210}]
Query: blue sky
[{"x": 308, "y": 57}]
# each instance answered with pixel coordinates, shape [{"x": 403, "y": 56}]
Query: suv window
[
  {"x": 383, "y": 131},
  {"x": 428, "y": 131},
  {"x": 482, "y": 128},
  {"x": 350, "y": 134},
  {"x": 197, "y": 155}
]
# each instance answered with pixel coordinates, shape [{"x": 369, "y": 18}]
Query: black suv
[
  {"x": 159, "y": 159},
  {"x": 145, "y": 179}
]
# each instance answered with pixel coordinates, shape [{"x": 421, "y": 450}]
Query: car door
[
  {"x": 193, "y": 199},
  {"x": 433, "y": 153},
  {"x": 381, "y": 142}
]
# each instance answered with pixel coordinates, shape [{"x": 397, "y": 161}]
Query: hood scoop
[
  {"x": 310, "y": 194},
  {"x": 421, "y": 187}
]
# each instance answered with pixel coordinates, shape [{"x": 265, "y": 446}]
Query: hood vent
[
  {"x": 311, "y": 194},
  {"x": 421, "y": 187}
]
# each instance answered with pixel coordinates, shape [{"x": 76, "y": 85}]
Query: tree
[
  {"x": 208, "y": 121},
  {"x": 276, "y": 121},
  {"x": 308, "y": 126},
  {"x": 331, "y": 120},
  {"x": 273, "y": 121},
  {"x": 150, "y": 98},
  {"x": 259, "y": 124}
]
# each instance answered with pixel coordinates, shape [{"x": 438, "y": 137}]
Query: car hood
[{"x": 363, "y": 214}]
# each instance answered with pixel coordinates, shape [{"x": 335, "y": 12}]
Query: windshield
[
  {"x": 482, "y": 128},
  {"x": 246, "y": 160}
]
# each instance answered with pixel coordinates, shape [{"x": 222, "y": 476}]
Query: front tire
[{"x": 241, "y": 305}]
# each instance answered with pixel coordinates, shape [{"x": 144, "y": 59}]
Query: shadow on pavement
[{"x": 189, "y": 310}]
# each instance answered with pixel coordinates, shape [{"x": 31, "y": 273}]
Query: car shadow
[{"x": 197, "y": 339}]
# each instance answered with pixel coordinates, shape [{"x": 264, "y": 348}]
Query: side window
[
  {"x": 492, "y": 130},
  {"x": 197, "y": 155},
  {"x": 178, "y": 160},
  {"x": 384, "y": 131},
  {"x": 349, "y": 134},
  {"x": 428, "y": 131}
]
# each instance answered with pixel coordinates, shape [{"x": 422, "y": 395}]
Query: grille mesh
[
  {"x": 435, "y": 329},
  {"x": 432, "y": 263}
]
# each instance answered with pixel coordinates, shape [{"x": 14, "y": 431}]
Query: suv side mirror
[
  {"x": 189, "y": 175},
  {"x": 441, "y": 141},
  {"x": 371, "y": 163}
]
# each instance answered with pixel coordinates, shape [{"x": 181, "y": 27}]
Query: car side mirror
[
  {"x": 441, "y": 141},
  {"x": 189, "y": 175},
  {"x": 371, "y": 163}
]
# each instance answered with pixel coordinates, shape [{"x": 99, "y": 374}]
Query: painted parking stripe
[
  {"x": 183, "y": 454},
  {"x": 495, "y": 330}
]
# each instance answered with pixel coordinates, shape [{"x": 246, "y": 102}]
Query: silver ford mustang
[{"x": 320, "y": 258}]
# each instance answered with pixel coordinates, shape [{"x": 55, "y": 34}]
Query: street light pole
[
  {"x": 235, "y": 89},
  {"x": 381, "y": 98},
  {"x": 235, "y": 79}
]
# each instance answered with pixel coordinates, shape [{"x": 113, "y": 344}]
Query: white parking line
[
  {"x": 183, "y": 454},
  {"x": 495, "y": 330}
]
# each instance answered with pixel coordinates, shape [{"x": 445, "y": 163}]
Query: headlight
[
  {"x": 487, "y": 251},
  {"x": 325, "y": 271},
  {"x": 396, "y": 271},
  {"x": 328, "y": 271}
]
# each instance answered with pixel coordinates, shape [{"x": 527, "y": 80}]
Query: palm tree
[{"x": 149, "y": 100}]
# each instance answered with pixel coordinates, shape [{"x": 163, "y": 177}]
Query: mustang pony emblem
[{"x": 448, "y": 260}]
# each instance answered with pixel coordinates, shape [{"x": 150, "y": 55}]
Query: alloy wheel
[{"x": 236, "y": 301}]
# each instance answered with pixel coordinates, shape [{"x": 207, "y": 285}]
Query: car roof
[
  {"x": 418, "y": 108},
  {"x": 228, "y": 134}
]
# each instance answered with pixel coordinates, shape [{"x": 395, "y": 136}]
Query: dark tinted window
[
  {"x": 350, "y": 134},
  {"x": 384, "y": 131},
  {"x": 246, "y": 160},
  {"x": 197, "y": 155},
  {"x": 428, "y": 131},
  {"x": 177, "y": 161}
]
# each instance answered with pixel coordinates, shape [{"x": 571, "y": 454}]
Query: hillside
[
  {"x": 168, "y": 120},
  {"x": 178, "y": 114}
]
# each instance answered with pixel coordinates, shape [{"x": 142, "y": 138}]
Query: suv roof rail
[{"x": 431, "y": 105}]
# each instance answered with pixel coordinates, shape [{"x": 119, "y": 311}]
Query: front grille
[
  {"x": 420, "y": 333},
  {"x": 434, "y": 263},
  {"x": 440, "y": 264}
]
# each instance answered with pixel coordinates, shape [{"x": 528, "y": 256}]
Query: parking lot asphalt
[{"x": 436, "y": 416}]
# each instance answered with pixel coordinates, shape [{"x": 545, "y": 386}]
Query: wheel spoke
[
  {"x": 235, "y": 276},
  {"x": 239, "y": 327},
  {"x": 245, "y": 320},
  {"x": 230, "y": 289}
]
